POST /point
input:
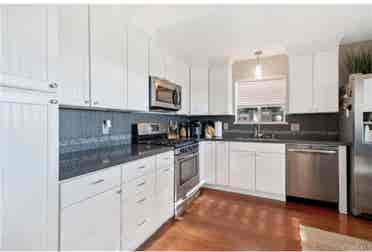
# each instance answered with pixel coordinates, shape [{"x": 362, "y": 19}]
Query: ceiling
[{"x": 202, "y": 34}]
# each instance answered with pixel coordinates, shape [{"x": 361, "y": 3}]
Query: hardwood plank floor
[{"x": 228, "y": 221}]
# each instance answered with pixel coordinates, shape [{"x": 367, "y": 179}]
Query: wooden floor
[{"x": 228, "y": 221}]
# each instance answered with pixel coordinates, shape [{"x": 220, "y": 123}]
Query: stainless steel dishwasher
[{"x": 312, "y": 172}]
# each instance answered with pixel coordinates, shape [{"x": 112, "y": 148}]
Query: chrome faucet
[{"x": 257, "y": 131}]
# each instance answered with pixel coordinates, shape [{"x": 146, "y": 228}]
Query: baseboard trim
[{"x": 247, "y": 192}]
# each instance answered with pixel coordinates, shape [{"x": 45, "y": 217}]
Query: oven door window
[
  {"x": 188, "y": 169},
  {"x": 165, "y": 95}
]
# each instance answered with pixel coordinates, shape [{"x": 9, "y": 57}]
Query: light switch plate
[{"x": 295, "y": 127}]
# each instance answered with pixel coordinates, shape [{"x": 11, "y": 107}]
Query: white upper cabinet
[
  {"x": 171, "y": 65},
  {"x": 300, "y": 83},
  {"x": 199, "y": 95},
  {"x": 156, "y": 60},
  {"x": 220, "y": 90},
  {"x": 138, "y": 74},
  {"x": 313, "y": 82},
  {"x": 183, "y": 79},
  {"x": 326, "y": 81},
  {"x": 108, "y": 46},
  {"x": 24, "y": 46},
  {"x": 70, "y": 67}
]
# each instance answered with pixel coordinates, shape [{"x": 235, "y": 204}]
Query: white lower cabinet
[
  {"x": 251, "y": 168},
  {"x": 222, "y": 163},
  {"x": 117, "y": 208},
  {"x": 207, "y": 162},
  {"x": 242, "y": 169},
  {"x": 93, "y": 224},
  {"x": 270, "y": 173}
]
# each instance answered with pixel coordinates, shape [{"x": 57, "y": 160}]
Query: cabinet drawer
[
  {"x": 90, "y": 185},
  {"x": 138, "y": 168},
  {"x": 258, "y": 147},
  {"x": 165, "y": 160},
  {"x": 143, "y": 185}
]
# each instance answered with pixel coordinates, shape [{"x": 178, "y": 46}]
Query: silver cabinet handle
[
  {"x": 141, "y": 167},
  {"x": 313, "y": 151},
  {"x": 142, "y": 223},
  {"x": 166, "y": 170},
  {"x": 95, "y": 102},
  {"x": 141, "y": 184},
  {"x": 97, "y": 182},
  {"x": 86, "y": 102},
  {"x": 141, "y": 200},
  {"x": 105, "y": 161},
  {"x": 53, "y": 85},
  {"x": 53, "y": 101},
  {"x": 119, "y": 191}
]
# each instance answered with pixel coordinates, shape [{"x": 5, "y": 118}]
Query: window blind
[{"x": 261, "y": 92}]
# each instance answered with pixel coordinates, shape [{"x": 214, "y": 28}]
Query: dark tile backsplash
[
  {"x": 312, "y": 126},
  {"x": 82, "y": 129}
]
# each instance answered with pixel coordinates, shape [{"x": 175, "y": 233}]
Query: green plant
[{"x": 360, "y": 63}]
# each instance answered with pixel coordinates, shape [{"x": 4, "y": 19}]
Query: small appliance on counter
[
  {"x": 208, "y": 129},
  {"x": 184, "y": 130},
  {"x": 196, "y": 130},
  {"x": 173, "y": 130},
  {"x": 218, "y": 128}
]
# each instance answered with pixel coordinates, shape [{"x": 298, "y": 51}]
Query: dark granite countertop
[
  {"x": 82, "y": 162},
  {"x": 275, "y": 140}
]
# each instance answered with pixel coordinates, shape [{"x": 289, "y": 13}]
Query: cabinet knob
[
  {"x": 53, "y": 85},
  {"x": 53, "y": 101},
  {"x": 119, "y": 191},
  {"x": 95, "y": 102},
  {"x": 86, "y": 102}
]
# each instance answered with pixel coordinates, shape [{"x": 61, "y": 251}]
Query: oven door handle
[{"x": 187, "y": 157}]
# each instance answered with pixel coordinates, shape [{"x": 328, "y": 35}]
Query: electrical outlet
[
  {"x": 106, "y": 126},
  {"x": 295, "y": 127},
  {"x": 225, "y": 126}
]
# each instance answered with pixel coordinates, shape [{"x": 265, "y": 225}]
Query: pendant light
[{"x": 258, "y": 70}]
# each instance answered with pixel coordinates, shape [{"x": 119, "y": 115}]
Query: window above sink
[{"x": 261, "y": 101}]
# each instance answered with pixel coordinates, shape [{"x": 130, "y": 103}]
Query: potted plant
[{"x": 360, "y": 63}]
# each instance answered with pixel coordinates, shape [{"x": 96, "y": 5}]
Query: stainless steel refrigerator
[{"x": 356, "y": 128}]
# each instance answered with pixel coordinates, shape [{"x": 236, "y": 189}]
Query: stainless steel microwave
[{"x": 164, "y": 95}]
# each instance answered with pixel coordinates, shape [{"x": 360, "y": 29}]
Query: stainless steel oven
[
  {"x": 186, "y": 170},
  {"x": 164, "y": 95}
]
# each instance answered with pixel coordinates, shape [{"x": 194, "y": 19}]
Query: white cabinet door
[
  {"x": 326, "y": 81},
  {"x": 164, "y": 195},
  {"x": 28, "y": 171},
  {"x": 367, "y": 94},
  {"x": 171, "y": 69},
  {"x": 270, "y": 173},
  {"x": 138, "y": 77},
  {"x": 222, "y": 163},
  {"x": 183, "y": 79},
  {"x": 156, "y": 61},
  {"x": 93, "y": 224},
  {"x": 220, "y": 88},
  {"x": 25, "y": 47},
  {"x": 70, "y": 67},
  {"x": 242, "y": 170},
  {"x": 108, "y": 47},
  {"x": 199, "y": 90},
  {"x": 301, "y": 83},
  {"x": 209, "y": 173}
]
